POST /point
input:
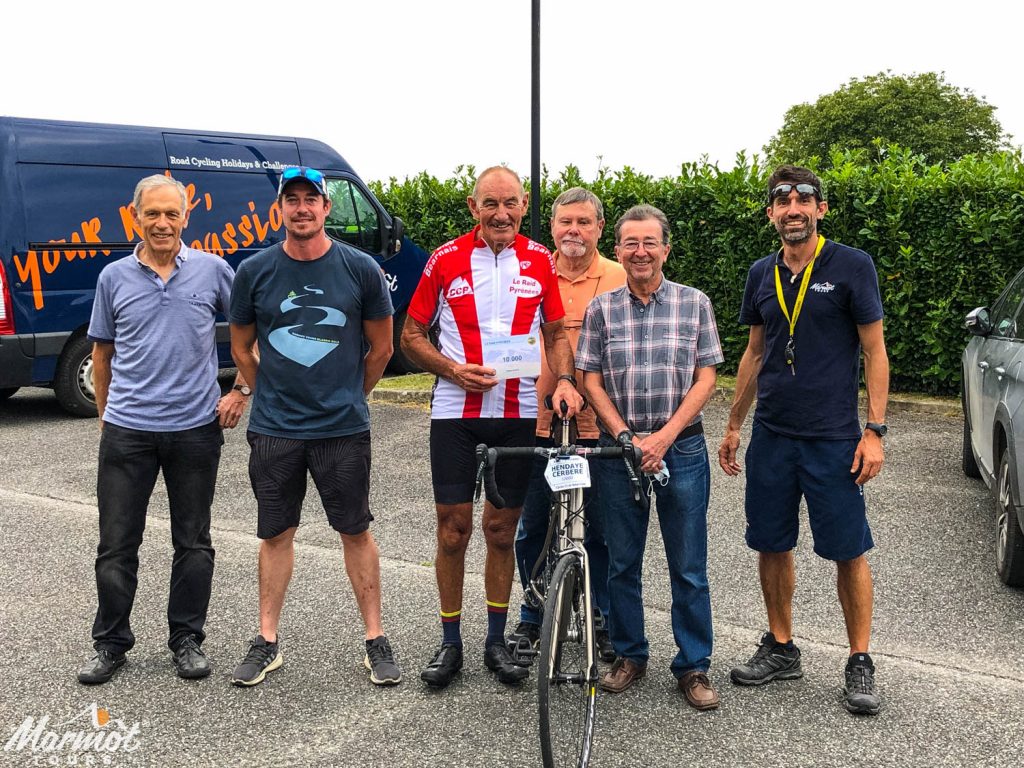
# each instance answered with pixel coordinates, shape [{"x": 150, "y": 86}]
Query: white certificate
[
  {"x": 565, "y": 472},
  {"x": 512, "y": 357}
]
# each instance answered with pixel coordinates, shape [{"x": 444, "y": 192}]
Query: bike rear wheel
[{"x": 566, "y": 684}]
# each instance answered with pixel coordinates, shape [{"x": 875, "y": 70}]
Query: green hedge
[{"x": 944, "y": 240}]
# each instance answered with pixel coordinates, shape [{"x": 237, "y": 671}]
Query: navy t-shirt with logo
[
  {"x": 820, "y": 401},
  {"x": 309, "y": 319}
]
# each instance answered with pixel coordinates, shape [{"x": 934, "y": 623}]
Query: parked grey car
[{"x": 993, "y": 400}]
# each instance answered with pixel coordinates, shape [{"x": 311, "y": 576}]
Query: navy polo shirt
[
  {"x": 820, "y": 401},
  {"x": 164, "y": 369}
]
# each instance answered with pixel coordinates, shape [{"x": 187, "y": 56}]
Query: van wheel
[
  {"x": 5, "y": 394},
  {"x": 1009, "y": 537},
  {"x": 399, "y": 363},
  {"x": 967, "y": 460},
  {"x": 73, "y": 382}
]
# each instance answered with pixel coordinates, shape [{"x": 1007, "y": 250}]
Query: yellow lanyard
[{"x": 803, "y": 289}]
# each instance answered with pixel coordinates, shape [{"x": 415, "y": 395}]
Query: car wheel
[
  {"x": 968, "y": 462},
  {"x": 1009, "y": 537},
  {"x": 5, "y": 394},
  {"x": 73, "y": 382}
]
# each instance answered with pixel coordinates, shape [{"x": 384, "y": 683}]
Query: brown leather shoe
[
  {"x": 698, "y": 690},
  {"x": 622, "y": 675}
]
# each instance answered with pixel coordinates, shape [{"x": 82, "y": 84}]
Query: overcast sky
[{"x": 399, "y": 86}]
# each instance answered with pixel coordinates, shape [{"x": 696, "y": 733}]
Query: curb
[{"x": 937, "y": 406}]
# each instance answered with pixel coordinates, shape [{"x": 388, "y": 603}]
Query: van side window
[{"x": 353, "y": 219}]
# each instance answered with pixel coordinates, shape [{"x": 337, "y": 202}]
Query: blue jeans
[
  {"x": 533, "y": 527},
  {"x": 129, "y": 460},
  {"x": 682, "y": 514}
]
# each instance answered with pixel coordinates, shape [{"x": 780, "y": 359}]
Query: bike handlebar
[{"x": 487, "y": 459}]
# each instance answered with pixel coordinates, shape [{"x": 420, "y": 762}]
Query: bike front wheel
[{"x": 567, "y": 682}]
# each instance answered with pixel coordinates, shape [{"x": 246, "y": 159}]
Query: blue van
[{"x": 65, "y": 189}]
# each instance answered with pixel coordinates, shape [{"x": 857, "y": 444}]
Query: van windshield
[{"x": 353, "y": 219}]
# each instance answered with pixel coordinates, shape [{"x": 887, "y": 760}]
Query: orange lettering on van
[
  {"x": 131, "y": 230},
  {"x": 29, "y": 273},
  {"x": 275, "y": 216},
  {"x": 229, "y": 238},
  {"x": 51, "y": 259},
  {"x": 245, "y": 227}
]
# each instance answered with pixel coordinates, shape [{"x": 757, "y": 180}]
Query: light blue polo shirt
[{"x": 164, "y": 370}]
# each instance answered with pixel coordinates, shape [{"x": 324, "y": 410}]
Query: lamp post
[{"x": 535, "y": 125}]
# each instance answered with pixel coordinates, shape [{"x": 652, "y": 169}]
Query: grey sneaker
[
  {"x": 380, "y": 660},
  {"x": 262, "y": 657},
  {"x": 771, "y": 661},
  {"x": 859, "y": 695}
]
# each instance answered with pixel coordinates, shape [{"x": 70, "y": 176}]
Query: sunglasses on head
[
  {"x": 804, "y": 190},
  {"x": 311, "y": 175}
]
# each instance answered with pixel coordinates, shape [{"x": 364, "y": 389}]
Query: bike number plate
[{"x": 564, "y": 473}]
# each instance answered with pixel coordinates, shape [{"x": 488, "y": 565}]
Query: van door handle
[
  {"x": 983, "y": 365},
  {"x": 1000, "y": 371}
]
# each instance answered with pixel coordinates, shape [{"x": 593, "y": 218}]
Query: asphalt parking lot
[{"x": 948, "y": 639}]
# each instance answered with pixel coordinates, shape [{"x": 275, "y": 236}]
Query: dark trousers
[{"x": 129, "y": 461}]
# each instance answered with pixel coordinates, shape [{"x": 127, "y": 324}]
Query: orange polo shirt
[{"x": 602, "y": 276}]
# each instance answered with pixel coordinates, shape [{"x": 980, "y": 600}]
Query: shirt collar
[
  {"x": 658, "y": 295},
  {"x": 179, "y": 258},
  {"x": 595, "y": 271}
]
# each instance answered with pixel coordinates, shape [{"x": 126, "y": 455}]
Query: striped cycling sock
[
  {"x": 451, "y": 626},
  {"x": 497, "y": 617}
]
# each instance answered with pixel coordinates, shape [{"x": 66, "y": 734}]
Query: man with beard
[
  {"x": 577, "y": 221},
  {"x": 316, "y": 306},
  {"x": 812, "y": 308}
]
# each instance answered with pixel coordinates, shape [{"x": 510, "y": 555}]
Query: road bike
[{"x": 560, "y": 586}]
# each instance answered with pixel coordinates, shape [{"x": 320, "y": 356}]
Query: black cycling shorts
[{"x": 453, "y": 445}]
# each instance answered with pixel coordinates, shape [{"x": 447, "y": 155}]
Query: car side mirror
[
  {"x": 979, "y": 322},
  {"x": 395, "y": 234}
]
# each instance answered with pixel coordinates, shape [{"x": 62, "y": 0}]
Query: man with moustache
[
  {"x": 491, "y": 294},
  {"x": 153, "y": 330},
  {"x": 649, "y": 351},
  {"x": 577, "y": 221},
  {"x": 813, "y": 308},
  {"x": 321, "y": 312}
]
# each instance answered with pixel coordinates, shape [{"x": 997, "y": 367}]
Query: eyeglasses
[
  {"x": 312, "y": 175},
  {"x": 650, "y": 244},
  {"x": 804, "y": 190}
]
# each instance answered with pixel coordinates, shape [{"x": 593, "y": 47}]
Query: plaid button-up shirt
[{"x": 647, "y": 354}]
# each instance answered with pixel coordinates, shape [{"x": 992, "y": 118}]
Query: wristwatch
[
  {"x": 567, "y": 377},
  {"x": 243, "y": 389},
  {"x": 878, "y": 429},
  {"x": 625, "y": 437}
]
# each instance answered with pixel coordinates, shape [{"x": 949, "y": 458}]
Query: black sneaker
[
  {"x": 189, "y": 660},
  {"x": 859, "y": 695},
  {"x": 605, "y": 649},
  {"x": 523, "y": 642},
  {"x": 602, "y": 640},
  {"x": 771, "y": 661},
  {"x": 101, "y": 667},
  {"x": 443, "y": 667},
  {"x": 499, "y": 660},
  {"x": 380, "y": 660},
  {"x": 262, "y": 657}
]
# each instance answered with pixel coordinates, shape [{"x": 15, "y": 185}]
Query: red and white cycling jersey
[{"x": 471, "y": 294}]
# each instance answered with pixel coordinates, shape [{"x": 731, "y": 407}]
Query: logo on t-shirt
[
  {"x": 525, "y": 264},
  {"x": 825, "y": 287},
  {"x": 459, "y": 287},
  {"x": 314, "y": 336},
  {"x": 524, "y": 287}
]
